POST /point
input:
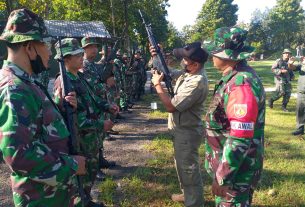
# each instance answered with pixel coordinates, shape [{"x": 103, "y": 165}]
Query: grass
[{"x": 283, "y": 179}]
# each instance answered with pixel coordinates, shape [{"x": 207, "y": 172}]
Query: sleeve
[
  {"x": 25, "y": 154},
  {"x": 188, "y": 95},
  {"x": 242, "y": 112},
  {"x": 275, "y": 68}
]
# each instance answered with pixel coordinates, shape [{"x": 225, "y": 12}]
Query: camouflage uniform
[
  {"x": 33, "y": 135},
  {"x": 44, "y": 78},
  {"x": 122, "y": 76},
  {"x": 235, "y": 124},
  {"x": 88, "y": 114},
  {"x": 282, "y": 82}
]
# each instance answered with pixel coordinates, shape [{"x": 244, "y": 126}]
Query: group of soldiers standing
[{"x": 34, "y": 137}]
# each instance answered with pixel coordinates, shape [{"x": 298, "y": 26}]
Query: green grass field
[{"x": 283, "y": 179}]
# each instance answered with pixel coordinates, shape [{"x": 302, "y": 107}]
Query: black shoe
[
  {"x": 299, "y": 131},
  {"x": 100, "y": 176},
  {"x": 111, "y": 131},
  {"x": 93, "y": 204},
  {"x": 270, "y": 104},
  {"x": 103, "y": 163},
  {"x": 119, "y": 116},
  {"x": 285, "y": 109},
  {"x": 109, "y": 138}
]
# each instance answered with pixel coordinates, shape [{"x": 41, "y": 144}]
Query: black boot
[
  {"x": 100, "y": 176},
  {"x": 103, "y": 163},
  {"x": 119, "y": 116},
  {"x": 93, "y": 204},
  {"x": 113, "y": 132},
  {"x": 284, "y": 108},
  {"x": 270, "y": 103},
  {"x": 299, "y": 131}
]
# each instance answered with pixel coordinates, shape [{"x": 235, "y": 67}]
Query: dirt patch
[{"x": 127, "y": 150}]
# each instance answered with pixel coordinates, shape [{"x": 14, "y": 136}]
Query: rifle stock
[{"x": 158, "y": 61}]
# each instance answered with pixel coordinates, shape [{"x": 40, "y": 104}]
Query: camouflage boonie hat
[
  {"x": 229, "y": 43},
  {"x": 89, "y": 41},
  {"x": 24, "y": 25},
  {"x": 69, "y": 46},
  {"x": 286, "y": 51}
]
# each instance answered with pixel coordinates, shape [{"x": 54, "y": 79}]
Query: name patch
[{"x": 246, "y": 126}]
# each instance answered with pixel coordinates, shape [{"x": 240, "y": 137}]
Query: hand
[
  {"x": 81, "y": 161},
  {"x": 219, "y": 190},
  {"x": 110, "y": 81},
  {"x": 284, "y": 71},
  {"x": 152, "y": 50},
  {"x": 114, "y": 109},
  {"x": 71, "y": 99},
  {"x": 108, "y": 124},
  {"x": 156, "y": 78}
]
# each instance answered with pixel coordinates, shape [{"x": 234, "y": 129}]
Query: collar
[{"x": 19, "y": 71}]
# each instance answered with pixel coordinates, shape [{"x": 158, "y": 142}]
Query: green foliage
[
  {"x": 284, "y": 21},
  {"x": 174, "y": 39},
  {"x": 215, "y": 14},
  {"x": 107, "y": 188}
]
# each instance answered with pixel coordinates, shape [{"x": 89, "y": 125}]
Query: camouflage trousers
[
  {"x": 186, "y": 152},
  {"x": 281, "y": 90},
  {"x": 89, "y": 148},
  {"x": 123, "y": 100}
]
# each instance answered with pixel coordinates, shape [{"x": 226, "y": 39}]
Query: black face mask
[{"x": 37, "y": 64}]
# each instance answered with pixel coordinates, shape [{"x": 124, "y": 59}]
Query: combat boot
[
  {"x": 103, "y": 163},
  {"x": 93, "y": 204},
  {"x": 100, "y": 176},
  {"x": 119, "y": 116},
  {"x": 270, "y": 104},
  {"x": 299, "y": 131}
]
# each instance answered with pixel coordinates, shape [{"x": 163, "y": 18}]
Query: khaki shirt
[{"x": 190, "y": 93}]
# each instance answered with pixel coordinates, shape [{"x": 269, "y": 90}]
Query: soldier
[
  {"x": 136, "y": 68},
  {"x": 97, "y": 82},
  {"x": 89, "y": 111},
  {"x": 234, "y": 122},
  {"x": 184, "y": 120},
  {"x": 33, "y": 135},
  {"x": 300, "y": 109},
  {"x": 282, "y": 69}
]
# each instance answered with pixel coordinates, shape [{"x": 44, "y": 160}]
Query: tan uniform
[{"x": 186, "y": 126}]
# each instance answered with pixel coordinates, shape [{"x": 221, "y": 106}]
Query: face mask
[{"x": 37, "y": 64}]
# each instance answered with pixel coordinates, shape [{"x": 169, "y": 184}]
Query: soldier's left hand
[
  {"x": 156, "y": 78},
  {"x": 114, "y": 109},
  {"x": 71, "y": 99}
]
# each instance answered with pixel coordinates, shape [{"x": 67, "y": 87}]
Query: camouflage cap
[
  {"x": 24, "y": 25},
  {"x": 229, "y": 43},
  {"x": 69, "y": 46},
  {"x": 89, "y": 41},
  {"x": 287, "y": 51}
]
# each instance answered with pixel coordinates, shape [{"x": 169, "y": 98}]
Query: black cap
[{"x": 192, "y": 51}]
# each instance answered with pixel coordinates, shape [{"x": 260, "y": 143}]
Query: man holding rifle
[
  {"x": 184, "y": 121},
  {"x": 33, "y": 134}
]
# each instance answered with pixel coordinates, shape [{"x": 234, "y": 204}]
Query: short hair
[{"x": 15, "y": 46}]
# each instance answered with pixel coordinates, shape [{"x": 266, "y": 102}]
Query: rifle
[
  {"x": 69, "y": 119},
  {"x": 158, "y": 61}
]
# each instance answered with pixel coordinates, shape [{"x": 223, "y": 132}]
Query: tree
[
  {"x": 285, "y": 20},
  {"x": 215, "y": 14},
  {"x": 174, "y": 39}
]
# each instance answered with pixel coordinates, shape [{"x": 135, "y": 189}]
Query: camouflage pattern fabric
[
  {"x": 44, "y": 78},
  {"x": 34, "y": 142},
  {"x": 282, "y": 82},
  {"x": 88, "y": 122},
  {"x": 235, "y": 136},
  {"x": 88, "y": 41},
  {"x": 69, "y": 46},
  {"x": 229, "y": 43},
  {"x": 123, "y": 87},
  {"x": 23, "y": 25}
]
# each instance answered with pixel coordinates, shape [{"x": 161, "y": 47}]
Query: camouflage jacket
[
  {"x": 33, "y": 140},
  {"x": 90, "y": 74},
  {"x": 282, "y": 77},
  {"x": 89, "y": 116},
  {"x": 235, "y": 127}
]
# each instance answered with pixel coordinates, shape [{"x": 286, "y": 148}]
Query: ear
[{"x": 30, "y": 50}]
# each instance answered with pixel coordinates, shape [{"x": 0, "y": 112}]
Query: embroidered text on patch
[
  {"x": 240, "y": 110},
  {"x": 247, "y": 126}
]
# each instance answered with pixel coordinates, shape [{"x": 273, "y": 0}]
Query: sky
[{"x": 183, "y": 12}]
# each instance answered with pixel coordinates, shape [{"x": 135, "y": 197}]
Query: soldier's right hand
[
  {"x": 284, "y": 71},
  {"x": 81, "y": 161},
  {"x": 108, "y": 124}
]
